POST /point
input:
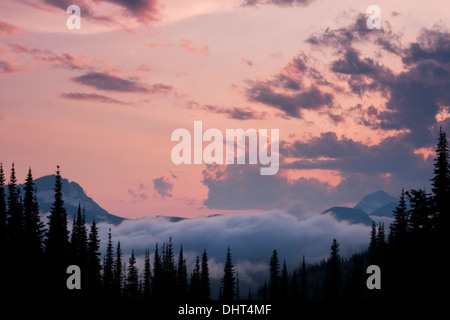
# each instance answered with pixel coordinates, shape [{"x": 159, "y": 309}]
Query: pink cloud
[
  {"x": 187, "y": 45},
  {"x": 8, "y": 67},
  {"x": 7, "y": 28},
  {"x": 246, "y": 61},
  {"x": 160, "y": 45}
]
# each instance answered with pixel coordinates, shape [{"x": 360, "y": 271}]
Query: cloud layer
[{"x": 251, "y": 236}]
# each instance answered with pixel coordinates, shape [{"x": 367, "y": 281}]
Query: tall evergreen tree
[
  {"x": 57, "y": 236},
  {"x": 2, "y": 210},
  {"x": 169, "y": 274},
  {"x": 399, "y": 226},
  {"x": 79, "y": 239},
  {"x": 33, "y": 227},
  {"x": 421, "y": 212},
  {"x": 204, "y": 278},
  {"x": 182, "y": 276},
  {"x": 108, "y": 267},
  {"x": 93, "y": 261},
  {"x": 157, "y": 282},
  {"x": 303, "y": 281},
  {"x": 118, "y": 273},
  {"x": 274, "y": 280},
  {"x": 441, "y": 183},
  {"x": 228, "y": 279},
  {"x": 15, "y": 216},
  {"x": 146, "y": 290},
  {"x": 194, "y": 288},
  {"x": 132, "y": 288},
  {"x": 284, "y": 282},
  {"x": 332, "y": 285}
]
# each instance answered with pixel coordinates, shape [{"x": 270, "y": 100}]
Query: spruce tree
[
  {"x": 204, "y": 278},
  {"x": 33, "y": 227},
  {"x": 108, "y": 267},
  {"x": 132, "y": 287},
  {"x": 332, "y": 285},
  {"x": 303, "y": 281},
  {"x": 147, "y": 276},
  {"x": 399, "y": 226},
  {"x": 157, "y": 282},
  {"x": 15, "y": 216},
  {"x": 2, "y": 210},
  {"x": 195, "y": 287},
  {"x": 57, "y": 242},
  {"x": 228, "y": 279},
  {"x": 93, "y": 261},
  {"x": 117, "y": 280},
  {"x": 182, "y": 276},
  {"x": 284, "y": 282},
  {"x": 274, "y": 280},
  {"x": 441, "y": 184},
  {"x": 79, "y": 239}
]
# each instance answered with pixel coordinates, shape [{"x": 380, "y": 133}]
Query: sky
[{"x": 358, "y": 109}]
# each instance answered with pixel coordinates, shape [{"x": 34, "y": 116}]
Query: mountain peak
[
  {"x": 374, "y": 201},
  {"x": 73, "y": 195},
  {"x": 352, "y": 215}
]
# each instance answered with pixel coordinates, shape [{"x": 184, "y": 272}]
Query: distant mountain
[
  {"x": 351, "y": 215},
  {"x": 375, "y": 201},
  {"x": 386, "y": 210},
  {"x": 73, "y": 194},
  {"x": 372, "y": 207}
]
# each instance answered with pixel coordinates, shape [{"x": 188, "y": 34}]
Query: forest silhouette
[{"x": 411, "y": 254}]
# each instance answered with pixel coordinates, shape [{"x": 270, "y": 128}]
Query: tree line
[{"x": 35, "y": 254}]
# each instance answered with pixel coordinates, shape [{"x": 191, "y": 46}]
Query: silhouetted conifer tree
[
  {"x": 93, "y": 268},
  {"x": 108, "y": 267},
  {"x": 303, "y": 281},
  {"x": 441, "y": 184},
  {"x": 132, "y": 288},
  {"x": 228, "y": 279},
  {"x": 33, "y": 227},
  {"x": 79, "y": 239},
  {"x": 2, "y": 210},
  {"x": 157, "y": 282},
  {"x": 274, "y": 280},
  {"x": 284, "y": 282},
  {"x": 14, "y": 217},
  {"x": 118, "y": 273},
  {"x": 182, "y": 276},
  {"x": 194, "y": 288},
  {"x": 57, "y": 236},
  {"x": 332, "y": 285},
  {"x": 147, "y": 276},
  {"x": 204, "y": 278}
]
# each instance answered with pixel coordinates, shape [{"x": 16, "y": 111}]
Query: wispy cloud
[
  {"x": 236, "y": 113},
  {"x": 91, "y": 97},
  {"x": 190, "y": 48},
  {"x": 7, "y": 28},
  {"x": 7, "y": 67}
]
